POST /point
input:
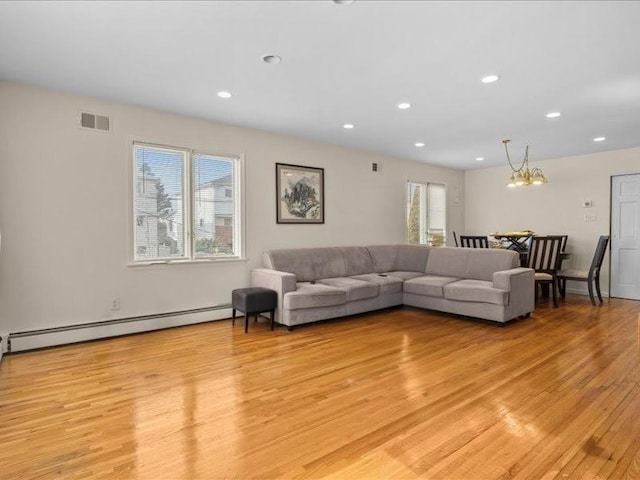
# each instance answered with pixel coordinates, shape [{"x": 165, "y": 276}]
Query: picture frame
[{"x": 299, "y": 194}]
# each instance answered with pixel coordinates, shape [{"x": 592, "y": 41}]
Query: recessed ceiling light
[
  {"x": 479, "y": 159},
  {"x": 553, "y": 114},
  {"x": 348, "y": 126},
  {"x": 271, "y": 59},
  {"x": 599, "y": 139},
  {"x": 404, "y": 105},
  {"x": 490, "y": 78},
  {"x": 343, "y": 2},
  {"x": 224, "y": 94},
  {"x": 419, "y": 144}
]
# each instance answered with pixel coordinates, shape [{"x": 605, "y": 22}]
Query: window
[
  {"x": 182, "y": 207},
  {"x": 426, "y": 213}
]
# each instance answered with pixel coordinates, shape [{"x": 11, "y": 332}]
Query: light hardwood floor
[{"x": 401, "y": 393}]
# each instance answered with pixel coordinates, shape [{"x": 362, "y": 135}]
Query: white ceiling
[{"x": 353, "y": 64}]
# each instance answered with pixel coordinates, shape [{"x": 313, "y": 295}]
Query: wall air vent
[{"x": 95, "y": 122}]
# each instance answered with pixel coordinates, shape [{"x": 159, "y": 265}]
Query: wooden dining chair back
[
  {"x": 544, "y": 258},
  {"x": 455, "y": 238},
  {"x": 563, "y": 249},
  {"x": 474, "y": 241},
  {"x": 564, "y": 242},
  {"x": 592, "y": 276}
]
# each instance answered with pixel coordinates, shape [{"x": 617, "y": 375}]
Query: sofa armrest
[
  {"x": 521, "y": 283},
  {"x": 281, "y": 282},
  {"x": 514, "y": 278}
]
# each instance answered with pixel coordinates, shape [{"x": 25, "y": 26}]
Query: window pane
[
  {"x": 426, "y": 213},
  {"x": 436, "y": 215},
  {"x": 158, "y": 202},
  {"x": 415, "y": 213},
  {"x": 213, "y": 205}
]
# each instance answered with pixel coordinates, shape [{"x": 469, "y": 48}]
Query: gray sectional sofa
[{"x": 320, "y": 283}]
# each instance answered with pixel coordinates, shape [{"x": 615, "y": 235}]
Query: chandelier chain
[{"x": 525, "y": 161}]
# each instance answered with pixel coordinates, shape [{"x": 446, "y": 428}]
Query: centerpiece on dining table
[{"x": 514, "y": 240}]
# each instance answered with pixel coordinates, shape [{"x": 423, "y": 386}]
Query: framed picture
[{"x": 299, "y": 194}]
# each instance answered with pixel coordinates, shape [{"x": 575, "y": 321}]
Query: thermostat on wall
[{"x": 587, "y": 204}]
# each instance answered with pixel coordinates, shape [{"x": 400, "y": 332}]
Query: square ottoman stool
[{"x": 253, "y": 300}]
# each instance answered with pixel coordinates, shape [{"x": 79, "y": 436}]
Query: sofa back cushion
[
  {"x": 412, "y": 258},
  {"x": 307, "y": 264},
  {"x": 357, "y": 260},
  {"x": 383, "y": 257},
  {"x": 471, "y": 263},
  {"x": 483, "y": 262},
  {"x": 448, "y": 261}
]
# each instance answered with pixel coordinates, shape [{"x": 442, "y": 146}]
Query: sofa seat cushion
[
  {"x": 309, "y": 295},
  {"x": 354, "y": 288},
  {"x": 405, "y": 275},
  {"x": 429, "y": 285},
  {"x": 476, "y": 291},
  {"x": 386, "y": 283}
]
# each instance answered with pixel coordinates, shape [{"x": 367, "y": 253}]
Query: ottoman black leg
[
  {"x": 273, "y": 314},
  {"x": 233, "y": 316},
  {"x": 246, "y": 322}
]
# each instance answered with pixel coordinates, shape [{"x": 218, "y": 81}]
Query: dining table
[{"x": 516, "y": 241}]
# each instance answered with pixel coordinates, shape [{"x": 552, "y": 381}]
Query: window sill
[{"x": 199, "y": 261}]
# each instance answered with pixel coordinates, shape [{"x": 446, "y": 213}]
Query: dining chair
[
  {"x": 592, "y": 276},
  {"x": 455, "y": 238},
  {"x": 544, "y": 258},
  {"x": 474, "y": 241}
]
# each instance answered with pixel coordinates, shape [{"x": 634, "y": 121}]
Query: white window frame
[
  {"x": 424, "y": 209},
  {"x": 188, "y": 207}
]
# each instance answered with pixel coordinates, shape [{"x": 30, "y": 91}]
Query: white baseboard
[
  {"x": 586, "y": 292},
  {"x": 22, "y": 341}
]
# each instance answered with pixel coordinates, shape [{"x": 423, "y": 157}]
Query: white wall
[
  {"x": 555, "y": 208},
  {"x": 65, "y": 207}
]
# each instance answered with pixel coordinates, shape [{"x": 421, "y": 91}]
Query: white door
[{"x": 625, "y": 236}]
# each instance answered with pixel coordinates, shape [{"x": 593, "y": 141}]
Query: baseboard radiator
[{"x": 48, "y": 337}]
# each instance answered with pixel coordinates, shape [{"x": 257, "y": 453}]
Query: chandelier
[{"x": 522, "y": 175}]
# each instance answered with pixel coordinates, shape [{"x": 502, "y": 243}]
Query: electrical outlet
[
  {"x": 589, "y": 217},
  {"x": 115, "y": 303}
]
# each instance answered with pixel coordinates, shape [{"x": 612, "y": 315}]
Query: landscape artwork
[{"x": 300, "y": 194}]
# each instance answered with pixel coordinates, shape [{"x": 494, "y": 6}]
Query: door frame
[{"x": 611, "y": 177}]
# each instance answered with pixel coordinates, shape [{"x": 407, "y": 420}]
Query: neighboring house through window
[
  {"x": 426, "y": 213},
  {"x": 186, "y": 204}
]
